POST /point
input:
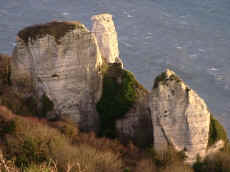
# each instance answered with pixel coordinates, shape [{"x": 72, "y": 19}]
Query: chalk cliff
[
  {"x": 62, "y": 69},
  {"x": 59, "y": 64},
  {"x": 105, "y": 31},
  {"x": 180, "y": 117},
  {"x": 136, "y": 124}
]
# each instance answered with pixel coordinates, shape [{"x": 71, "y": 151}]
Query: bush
[
  {"x": 219, "y": 162},
  {"x": 146, "y": 165},
  {"x": 34, "y": 143},
  {"x": 167, "y": 157},
  {"x": 216, "y": 131},
  {"x": 120, "y": 91}
]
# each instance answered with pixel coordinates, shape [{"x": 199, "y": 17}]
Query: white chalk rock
[
  {"x": 61, "y": 60},
  {"x": 180, "y": 117},
  {"x": 105, "y": 31}
]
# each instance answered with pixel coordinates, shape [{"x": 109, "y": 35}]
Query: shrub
[
  {"x": 47, "y": 106},
  {"x": 120, "y": 91},
  {"x": 33, "y": 143},
  {"x": 146, "y": 165},
  {"x": 218, "y": 162},
  {"x": 177, "y": 167},
  {"x": 167, "y": 157},
  {"x": 216, "y": 131}
]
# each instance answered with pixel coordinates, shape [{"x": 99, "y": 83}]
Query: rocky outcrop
[
  {"x": 58, "y": 69},
  {"x": 180, "y": 117},
  {"x": 59, "y": 64},
  {"x": 136, "y": 125},
  {"x": 105, "y": 31}
]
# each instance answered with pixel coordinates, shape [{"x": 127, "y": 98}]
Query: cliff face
[
  {"x": 180, "y": 117},
  {"x": 57, "y": 70},
  {"x": 105, "y": 32},
  {"x": 59, "y": 64},
  {"x": 136, "y": 124}
]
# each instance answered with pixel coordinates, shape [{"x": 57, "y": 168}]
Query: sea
[{"x": 191, "y": 37}]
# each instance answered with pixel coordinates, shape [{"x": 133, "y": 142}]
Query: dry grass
[{"x": 32, "y": 142}]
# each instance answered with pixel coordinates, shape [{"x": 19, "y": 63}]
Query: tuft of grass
[
  {"x": 55, "y": 29},
  {"x": 216, "y": 131},
  {"x": 120, "y": 91}
]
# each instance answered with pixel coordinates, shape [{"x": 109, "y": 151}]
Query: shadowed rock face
[
  {"x": 105, "y": 31},
  {"x": 65, "y": 67},
  {"x": 4, "y": 69},
  {"x": 180, "y": 117},
  {"x": 136, "y": 125}
]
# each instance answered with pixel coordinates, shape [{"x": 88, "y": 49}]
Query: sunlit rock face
[
  {"x": 180, "y": 117},
  {"x": 62, "y": 61},
  {"x": 105, "y": 31}
]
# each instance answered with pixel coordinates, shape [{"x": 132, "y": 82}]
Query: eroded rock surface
[
  {"x": 136, "y": 125},
  {"x": 180, "y": 117},
  {"x": 105, "y": 31},
  {"x": 59, "y": 63}
]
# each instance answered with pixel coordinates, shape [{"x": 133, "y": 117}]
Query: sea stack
[
  {"x": 181, "y": 118},
  {"x": 105, "y": 31},
  {"x": 59, "y": 64}
]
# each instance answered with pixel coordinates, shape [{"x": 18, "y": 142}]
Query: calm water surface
[{"x": 191, "y": 37}]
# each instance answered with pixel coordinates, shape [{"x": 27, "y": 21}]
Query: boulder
[
  {"x": 180, "y": 117},
  {"x": 105, "y": 32},
  {"x": 59, "y": 64}
]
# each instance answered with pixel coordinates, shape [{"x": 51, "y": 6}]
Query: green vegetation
[
  {"x": 218, "y": 162},
  {"x": 55, "y": 29},
  {"x": 47, "y": 106},
  {"x": 216, "y": 131},
  {"x": 120, "y": 91},
  {"x": 32, "y": 145},
  {"x": 162, "y": 78}
]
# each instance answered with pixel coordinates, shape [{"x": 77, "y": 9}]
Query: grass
[
  {"x": 31, "y": 143},
  {"x": 216, "y": 131},
  {"x": 120, "y": 91},
  {"x": 55, "y": 29}
]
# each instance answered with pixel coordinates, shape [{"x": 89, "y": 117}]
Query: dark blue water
[{"x": 192, "y": 37}]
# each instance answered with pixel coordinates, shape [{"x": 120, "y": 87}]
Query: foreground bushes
[
  {"x": 32, "y": 142},
  {"x": 32, "y": 145},
  {"x": 219, "y": 162}
]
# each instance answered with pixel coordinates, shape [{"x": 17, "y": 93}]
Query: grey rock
[
  {"x": 180, "y": 117},
  {"x": 105, "y": 32},
  {"x": 65, "y": 68}
]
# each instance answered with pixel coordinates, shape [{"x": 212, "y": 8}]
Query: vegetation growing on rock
[
  {"x": 163, "y": 78},
  {"x": 120, "y": 91},
  {"x": 47, "y": 105},
  {"x": 216, "y": 131},
  {"x": 55, "y": 29}
]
